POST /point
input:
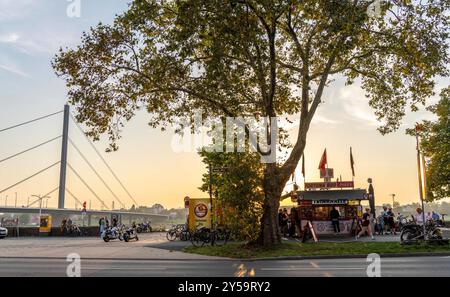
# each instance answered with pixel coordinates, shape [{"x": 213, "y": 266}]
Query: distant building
[{"x": 155, "y": 209}]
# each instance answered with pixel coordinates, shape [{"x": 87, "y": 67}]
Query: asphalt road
[{"x": 396, "y": 267}]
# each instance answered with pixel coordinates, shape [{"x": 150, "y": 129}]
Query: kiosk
[{"x": 315, "y": 206}]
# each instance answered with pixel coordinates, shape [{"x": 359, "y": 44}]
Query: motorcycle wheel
[
  {"x": 436, "y": 234},
  {"x": 171, "y": 236},
  {"x": 139, "y": 230},
  {"x": 407, "y": 235},
  {"x": 106, "y": 239},
  {"x": 126, "y": 237}
]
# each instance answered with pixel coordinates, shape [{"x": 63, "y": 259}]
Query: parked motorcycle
[
  {"x": 112, "y": 233},
  {"x": 144, "y": 228},
  {"x": 413, "y": 231},
  {"x": 130, "y": 234}
]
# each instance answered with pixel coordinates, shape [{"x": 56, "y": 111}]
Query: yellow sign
[
  {"x": 199, "y": 213},
  {"x": 45, "y": 224}
]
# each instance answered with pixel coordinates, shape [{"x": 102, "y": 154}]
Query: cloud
[
  {"x": 356, "y": 106},
  {"x": 9, "y": 38},
  {"x": 14, "y": 70},
  {"x": 29, "y": 43},
  {"x": 15, "y": 9},
  {"x": 320, "y": 120}
]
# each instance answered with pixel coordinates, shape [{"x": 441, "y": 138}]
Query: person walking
[
  {"x": 365, "y": 225},
  {"x": 334, "y": 217}
]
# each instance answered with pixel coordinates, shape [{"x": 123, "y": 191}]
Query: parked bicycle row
[{"x": 200, "y": 237}]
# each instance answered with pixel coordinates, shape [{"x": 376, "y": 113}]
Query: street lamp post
[
  {"x": 40, "y": 204},
  {"x": 393, "y": 201},
  {"x": 421, "y": 190}
]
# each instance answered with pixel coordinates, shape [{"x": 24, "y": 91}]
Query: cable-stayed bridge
[{"x": 65, "y": 166}]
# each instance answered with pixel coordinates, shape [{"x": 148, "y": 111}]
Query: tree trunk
[{"x": 270, "y": 230}]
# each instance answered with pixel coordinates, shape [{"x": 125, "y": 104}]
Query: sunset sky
[{"x": 31, "y": 31}]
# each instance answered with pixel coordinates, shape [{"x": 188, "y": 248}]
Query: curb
[{"x": 356, "y": 256}]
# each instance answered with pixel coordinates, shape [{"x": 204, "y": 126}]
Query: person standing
[
  {"x": 391, "y": 221},
  {"x": 334, "y": 217},
  {"x": 114, "y": 222},
  {"x": 280, "y": 219},
  {"x": 63, "y": 225},
  {"x": 384, "y": 219},
  {"x": 419, "y": 216},
  {"x": 366, "y": 226},
  {"x": 284, "y": 222},
  {"x": 102, "y": 224}
]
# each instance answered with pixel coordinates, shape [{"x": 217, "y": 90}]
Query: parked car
[{"x": 3, "y": 232}]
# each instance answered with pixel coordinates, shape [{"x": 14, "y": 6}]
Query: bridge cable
[
  {"x": 49, "y": 193},
  {"x": 30, "y": 177},
  {"x": 31, "y": 121},
  {"x": 87, "y": 186},
  {"x": 30, "y": 149},
  {"x": 104, "y": 161},
  {"x": 96, "y": 173},
  {"x": 73, "y": 196}
]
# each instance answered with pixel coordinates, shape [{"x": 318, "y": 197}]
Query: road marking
[
  {"x": 309, "y": 269},
  {"x": 314, "y": 264},
  {"x": 125, "y": 268}
]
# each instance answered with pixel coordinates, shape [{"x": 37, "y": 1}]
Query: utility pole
[
  {"x": 210, "y": 195},
  {"x": 63, "y": 168}
]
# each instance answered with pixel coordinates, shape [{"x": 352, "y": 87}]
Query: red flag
[
  {"x": 352, "y": 162},
  {"x": 303, "y": 165},
  {"x": 323, "y": 160}
]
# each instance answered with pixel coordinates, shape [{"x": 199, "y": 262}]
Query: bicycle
[
  {"x": 178, "y": 232},
  {"x": 204, "y": 236}
]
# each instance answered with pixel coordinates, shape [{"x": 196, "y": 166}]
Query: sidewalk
[{"x": 93, "y": 248}]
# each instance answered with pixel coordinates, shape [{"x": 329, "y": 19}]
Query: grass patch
[{"x": 286, "y": 249}]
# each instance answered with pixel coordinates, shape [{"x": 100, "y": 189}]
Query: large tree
[{"x": 264, "y": 58}]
